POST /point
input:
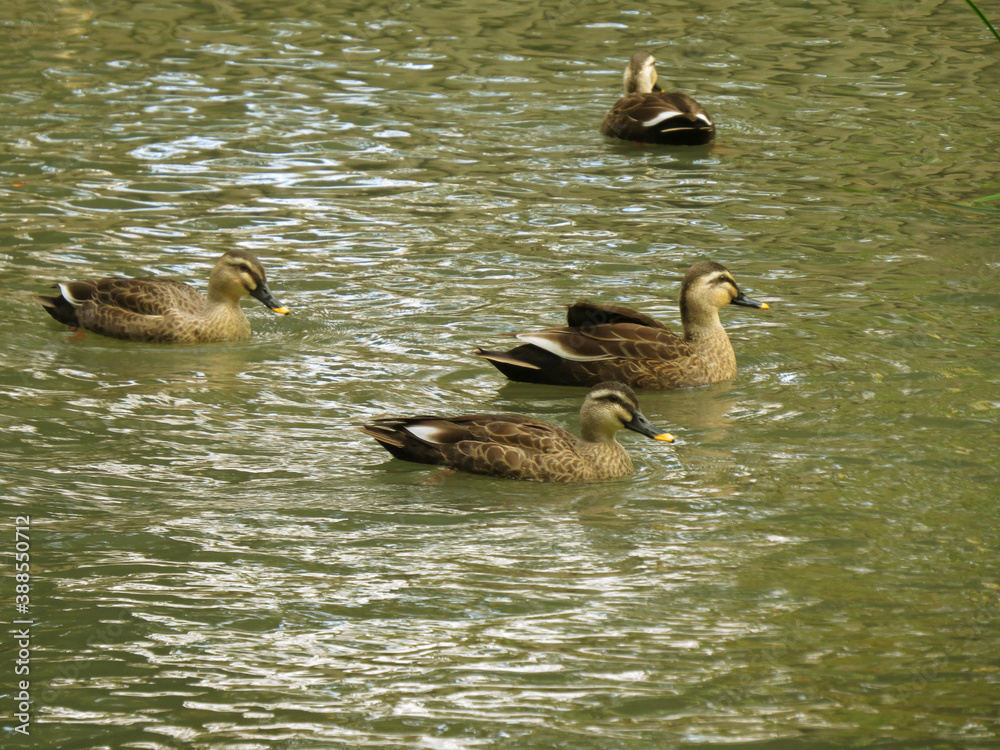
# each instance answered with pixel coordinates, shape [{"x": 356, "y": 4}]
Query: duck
[
  {"x": 166, "y": 310},
  {"x": 648, "y": 114},
  {"x": 517, "y": 447},
  {"x": 608, "y": 342}
]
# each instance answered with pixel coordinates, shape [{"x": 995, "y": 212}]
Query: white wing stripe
[
  {"x": 561, "y": 348},
  {"x": 660, "y": 118},
  {"x": 69, "y": 297},
  {"x": 427, "y": 433}
]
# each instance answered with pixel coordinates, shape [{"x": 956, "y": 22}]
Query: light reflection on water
[{"x": 222, "y": 560}]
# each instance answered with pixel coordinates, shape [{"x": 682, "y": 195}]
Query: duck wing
[
  {"x": 131, "y": 309},
  {"x": 641, "y": 356},
  {"x": 610, "y": 341},
  {"x": 140, "y": 296},
  {"x": 497, "y": 444},
  {"x": 659, "y": 117},
  {"x": 586, "y": 315}
]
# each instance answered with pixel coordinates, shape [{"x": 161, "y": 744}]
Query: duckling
[
  {"x": 647, "y": 114},
  {"x": 165, "y": 310},
  {"x": 606, "y": 342},
  {"x": 505, "y": 445}
]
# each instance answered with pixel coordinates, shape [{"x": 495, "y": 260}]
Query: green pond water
[{"x": 218, "y": 560}]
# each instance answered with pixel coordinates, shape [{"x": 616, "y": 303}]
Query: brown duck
[
  {"x": 162, "y": 310},
  {"x": 648, "y": 114},
  {"x": 516, "y": 447},
  {"x": 605, "y": 342}
]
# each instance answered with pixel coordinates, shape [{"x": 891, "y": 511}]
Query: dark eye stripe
[
  {"x": 249, "y": 272},
  {"x": 727, "y": 280},
  {"x": 615, "y": 399}
]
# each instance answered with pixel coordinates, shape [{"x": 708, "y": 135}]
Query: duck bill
[
  {"x": 744, "y": 301},
  {"x": 263, "y": 294},
  {"x": 657, "y": 89},
  {"x": 643, "y": 426}
]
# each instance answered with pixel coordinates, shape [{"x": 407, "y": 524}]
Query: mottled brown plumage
[
  {"x": 165, "y": 310},
  {"x": 648, "y": 114},
  {"x": 606, "y": 342},
  {"x": 516, "y": 447}
]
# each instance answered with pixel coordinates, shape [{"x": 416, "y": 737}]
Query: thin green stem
[{"x": 984, "y": 18}]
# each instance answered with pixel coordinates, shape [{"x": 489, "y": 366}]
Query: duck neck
[
  {"x": 222, "y": 319},
  {"x": 594, "y": 435},
  {"x": 219, "y": 297},
  {"x": 224, "y": 309},
  {"x": 608, "y": 458},
  {"x": 708, "y": 339},
  {"x": 701, "y": 324},
  {"x": 217, "y": 301}
]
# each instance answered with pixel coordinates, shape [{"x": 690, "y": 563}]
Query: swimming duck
[
  {"x": 516, "y": 447},
  {"x": 649, "y": 115},
  {"x": 161, "y": 310},
  {"x": 606, "y": 342}
]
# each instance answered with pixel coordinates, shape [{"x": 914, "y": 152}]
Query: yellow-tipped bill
[
  {"x": 666, "y": 437},
  {"x": 743, "y": 301}
]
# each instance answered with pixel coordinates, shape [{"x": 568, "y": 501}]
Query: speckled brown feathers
[
  {"x": 165, "y": 310},
  {"x": 606, "y": 342},
  {"x": 647, "y": 114},
  {"x": 517, "y": 447}
]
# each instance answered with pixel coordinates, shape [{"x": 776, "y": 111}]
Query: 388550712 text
[{"x": 22, "y": 624}]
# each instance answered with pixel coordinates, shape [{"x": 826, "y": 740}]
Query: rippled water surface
[{"x": 219, "y": 560}]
